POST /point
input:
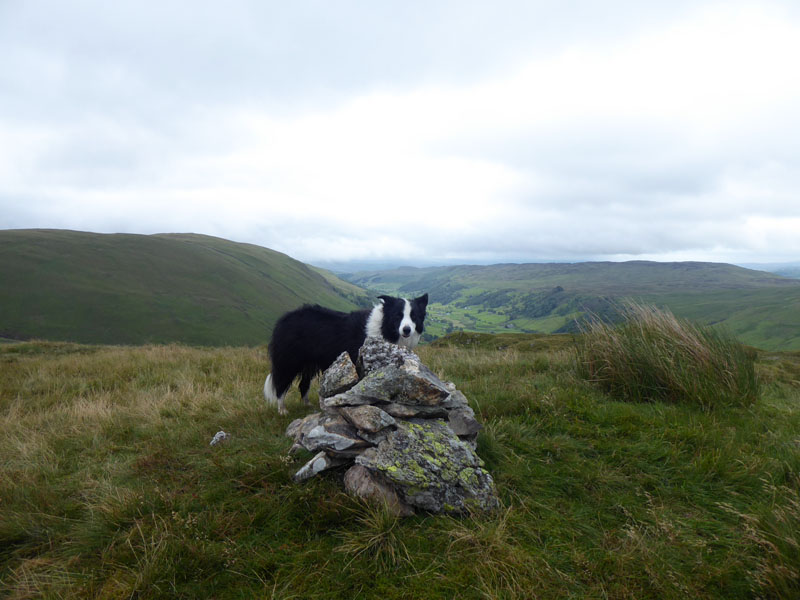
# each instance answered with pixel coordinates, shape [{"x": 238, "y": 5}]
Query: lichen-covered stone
[
  {"x": 367, "y": 418},
  {"x": 339, "y": 377},
  {"x": 376, "y": 353},
  {"x": 431, "y": 468}
]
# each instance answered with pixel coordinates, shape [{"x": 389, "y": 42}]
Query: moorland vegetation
[{"x": 109, "y": 487}]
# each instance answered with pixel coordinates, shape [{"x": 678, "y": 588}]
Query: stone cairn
[{"x": 408, "y": 437}]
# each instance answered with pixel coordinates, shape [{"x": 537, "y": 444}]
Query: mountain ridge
[
  {"x": 131, "y": 288},
  {"x": 202, "y": 290}
]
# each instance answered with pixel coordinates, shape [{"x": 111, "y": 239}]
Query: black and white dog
[{"x": 306, "y": 341}]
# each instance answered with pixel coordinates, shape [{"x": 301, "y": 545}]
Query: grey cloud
[
  {"x": 267, "y": 52},
  {"x": 129, "y": 94}
]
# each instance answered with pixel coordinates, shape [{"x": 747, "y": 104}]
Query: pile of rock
[{"x": 408, "y": 437}]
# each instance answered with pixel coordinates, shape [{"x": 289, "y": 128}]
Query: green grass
[{"x": 109, "y": 488}]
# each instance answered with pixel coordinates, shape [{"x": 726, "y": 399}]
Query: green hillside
[
  {"x": 133, "y": 289},
  {"x": 762, "y": 309}
]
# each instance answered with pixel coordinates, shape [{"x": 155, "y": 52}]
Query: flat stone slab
[
  {"x": 409, "y": 383},
  {"x": 320, "y": 462},
  {"x": 367, "y": 418},
  {"x": 330, "y": 432},
  {"x": 348, "y": 398},
  {"x": 407, "y": 411}
]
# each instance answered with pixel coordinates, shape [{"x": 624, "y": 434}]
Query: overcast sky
[{"x": 411, "y": 131}]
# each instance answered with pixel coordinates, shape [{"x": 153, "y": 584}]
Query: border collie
[{"x": 306, "y": 341}]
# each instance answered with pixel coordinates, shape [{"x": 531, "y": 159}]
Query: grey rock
[
  {"x": 348, "y": 398},
  {"x": 367, "y": 418},
  {"x": 406, "y": 411},
  {"x": 410, "y": 383},
  {"x": 339, "y": 377},
  {"x": 219, "y": 438},
  {"x": 320, "y": 431},
  {"x": 390, "y": 374},
  {"x": 297, "y": 427},
  {"x": 462, "y": 421},
  {"x": 408, "y": 437},
  {"x": 324, "y": 437},
  {"x": 455, "y": 400},
  {"x": 377, "y": 353},
  {"x": 320, "y": 462},
  {"x": 432, "y": 469},
  {"x": 375, "y": 438},
  {"x": 360, "y": 481}
]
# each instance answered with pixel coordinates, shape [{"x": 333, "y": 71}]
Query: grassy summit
[{"x": 109, "y": 488}]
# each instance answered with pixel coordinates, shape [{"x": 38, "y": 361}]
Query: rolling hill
[
  {"x": 762, "y": 309},
  {"x": 195, "y": 289},
  {"x": 133, "y": 289}
]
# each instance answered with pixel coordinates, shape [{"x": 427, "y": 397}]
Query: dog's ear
[
  {"x": 422, "y": 301},
  {"x": 384, "y": 299}
]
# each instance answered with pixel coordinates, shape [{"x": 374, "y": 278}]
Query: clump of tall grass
[{"x": 653, "y": 355}]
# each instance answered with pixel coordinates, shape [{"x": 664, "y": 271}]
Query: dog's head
[{"x": 403, "y": 320}]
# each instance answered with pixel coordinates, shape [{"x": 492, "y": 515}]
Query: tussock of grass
[
  {"x": 109, "y": 488},
  {"x": 652, "y": 355},
  {"x": 377, "y": 537}
]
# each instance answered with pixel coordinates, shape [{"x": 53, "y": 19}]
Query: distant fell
[
  {"x": 133, "y": 289},
  {"x": 613, "y": 278},
  {"x": 762, "y": 309}
]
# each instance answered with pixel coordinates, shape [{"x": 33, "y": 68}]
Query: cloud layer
[{"x": 410, "y": 131}]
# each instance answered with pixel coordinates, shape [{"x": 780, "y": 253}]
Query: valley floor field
[{"x": 109, "y": 487}]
